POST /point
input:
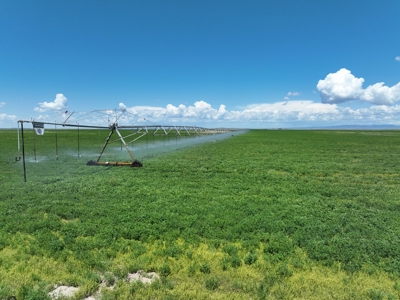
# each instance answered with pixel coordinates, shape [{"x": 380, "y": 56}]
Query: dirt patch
[
  {"x": 63, "y": 291},
  {"x": 144, "y": 277}
]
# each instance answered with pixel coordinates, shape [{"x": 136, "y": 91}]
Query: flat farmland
[{"x": 268, "y": 214}]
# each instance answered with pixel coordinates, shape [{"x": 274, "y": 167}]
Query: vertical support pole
[
  {"x": 23, "y": 149},
  {"x": 19, "y": 146},
  {"x": 78, "y": 142},
  {"x": 34, "y": 145},
  {"x": 55, "y": 128}
]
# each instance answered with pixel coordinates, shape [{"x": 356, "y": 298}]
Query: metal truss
[{"x": 124, "y": 132}]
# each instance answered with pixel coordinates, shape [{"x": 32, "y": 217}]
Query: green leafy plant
[
  {"x": 205, "y": 268},
  {"x": 165, "y": 270},
  {"x": 281, "y": 202},
  {"x": 250, "y": 258},
  {"x": 212, "y": 283}
]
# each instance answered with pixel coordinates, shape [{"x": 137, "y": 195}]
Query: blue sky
[{"x": 259, "y": 64}]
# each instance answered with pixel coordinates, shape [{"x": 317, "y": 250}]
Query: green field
[{"x": 262, "y": 215}]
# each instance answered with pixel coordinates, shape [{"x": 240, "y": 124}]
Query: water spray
[{"x": 138, "y": 132}]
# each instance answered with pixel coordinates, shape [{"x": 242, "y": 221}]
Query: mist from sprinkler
[
  {"x": 48, "y": 168},
  {"x": 167, "y": 144}
]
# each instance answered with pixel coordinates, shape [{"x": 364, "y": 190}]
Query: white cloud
[
  {"x": 261, "y": 115},
  {"x": 381, "y": 94},
  {"x": 293, "y": 94},
  {"x": 397, "y": 58},
  {"x": 340, "y": 87},
  {"x": 278, "y": 114},
  {"x": 60, "y": 103},
  {"x": 343, "y": 86},
  {"x": 5, "y": 117},
  {"x": 203, "y": 112},
  {"x": 289, "y": 111},
  {"x": 200, "y": 111}
]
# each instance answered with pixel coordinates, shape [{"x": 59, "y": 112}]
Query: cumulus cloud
[
  {"x": 5, "y": 117},
  {"x": 278, "y": 114},
  {"x": 343, "y": 86},
  {"x": 289, "y": 111},
  {"x": 260, "y": 115},
  {"x": 340, "y": 87},
  {"x": 397, "y": 58},
  {"x": 203, "y": 112},
  {"x": 293, "y": 94},
  {"x": 381, "y": 94},
  {"x": 60, "y": 103}
]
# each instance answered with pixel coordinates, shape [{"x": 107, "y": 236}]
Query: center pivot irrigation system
[{"x": 138, "y": 132}]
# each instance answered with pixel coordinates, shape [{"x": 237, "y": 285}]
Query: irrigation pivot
[
  {"x": 123, "y": 132},
  {"x": 133, "y": 163}
]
